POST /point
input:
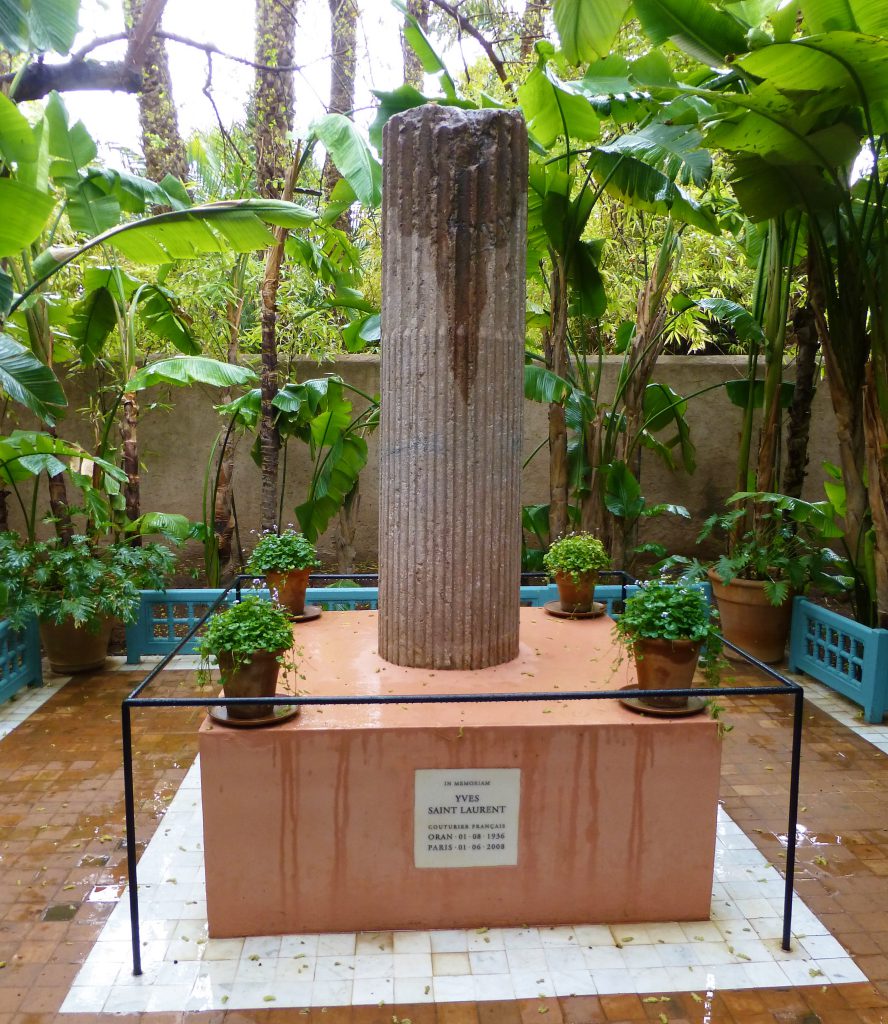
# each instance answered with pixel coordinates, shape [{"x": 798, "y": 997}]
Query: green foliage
[
  {"x": 783, "y": 552},
  {"x": 38, "y": 26},
  {"x": 576, "y": 554},
  {"x": 28, "y": 381},
  {"x": 252, "y": 624},
  {"x": 282, "y": 552},
  {"x": 80, "y": 580},
  {"x": 666, "y": 610}
]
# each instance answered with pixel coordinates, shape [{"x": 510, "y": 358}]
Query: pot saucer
[
  {"x": 639, "y": 705},
  {"x": 554, "y": 608},
  {"x": 311, "y": 611},
  {"x": 282, "y": 713}
]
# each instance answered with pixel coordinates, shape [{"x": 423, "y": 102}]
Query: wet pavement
[{"x": 62, "y": 862}]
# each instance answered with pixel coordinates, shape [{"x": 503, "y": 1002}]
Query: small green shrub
[
  {"x": 241, "y": 629},
  {"x": 576, "y": 554},
  {"x": 252, "y": 624},
  {"x": 667, "y": 610},
  {"x": 81, "y": 579},
  {"x": 283, "y": 552}
]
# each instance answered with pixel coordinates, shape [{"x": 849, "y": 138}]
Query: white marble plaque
[{"x": 466, "y": 817}]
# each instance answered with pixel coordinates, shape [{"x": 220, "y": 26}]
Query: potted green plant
[
  {"x": 575, "y": 561},
  {"x": 76, "y": 590},
  {"x": 286, "y": 560},
  {"x": 250, "y": 641},
  {"x": 664, "y": 626},
  {"x": 763, "y": 568}
]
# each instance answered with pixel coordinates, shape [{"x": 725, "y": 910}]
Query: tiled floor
[
  {"x": 739, "y": 948},
  {"x": 63, "y": 865}
]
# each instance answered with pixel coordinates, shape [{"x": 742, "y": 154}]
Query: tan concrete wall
[{"x": 176, "y": 443}]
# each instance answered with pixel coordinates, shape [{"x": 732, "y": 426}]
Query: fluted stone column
[{"x": 454, "y": 249}]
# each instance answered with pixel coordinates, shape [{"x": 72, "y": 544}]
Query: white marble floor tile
[{"x": 739, "y": 947}]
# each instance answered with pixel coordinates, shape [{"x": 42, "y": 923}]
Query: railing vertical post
[
  {"x": 798, "y": 718},
  {"x": 130, "y": 806}
]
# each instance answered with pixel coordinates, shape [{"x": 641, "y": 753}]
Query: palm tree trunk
[
  {"x": 269, "y": 439},
  {"x": 162, "y": 143},
  {"x": 343, "y": 39},
  {"x": 532, "y": 26},
  {"x": 223, "y": 508},
  {"x": 799, "y": 416},
  {"x": 273, "y": 97},
  {"x": 347, "y": 527},
  {"x": 555, "y": 350},
  {"x": 876, "y": 435},
  {"x": 413, "y": 73},
  {"x": 129, "y": 434}
]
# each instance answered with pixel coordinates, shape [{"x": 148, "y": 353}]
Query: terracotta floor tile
[
  {"x": 582, "y": 1010},
  {"x": 496, "y": 1012},
  {"x": 618, "y": 1008},
  {"x": 533, "y": 1011},
  {"x": 455, "y": 1013}
]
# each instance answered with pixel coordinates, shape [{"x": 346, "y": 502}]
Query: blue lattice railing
[
  {"x": 848, "y": 657},
  {"x": 19, "y": 659},
  {"x": 167, "y": 616}
]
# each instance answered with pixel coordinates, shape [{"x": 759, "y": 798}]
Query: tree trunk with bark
[
  {"x": 269, "y": 439},
  {"x": 413, "y": 73},
  {"x": 223, "y": 507},
  {"x": 162, "y": 143},
  {"x": 347, "y": 527},
  {"x": 799, "y": 416},
  {"x": 129, "y": 435},
  {"x": 876, "y": 436},
  {"x": 343, "y": 43},
  {"x": 555, "y": 351},
  {"x": 532, "y": 26},
  {"x": 274, "y": 92}
]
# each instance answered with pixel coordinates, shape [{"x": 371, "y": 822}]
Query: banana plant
[
  {"x": 795, "y": 97},
  {"x": 580, "y": 152},
  {"x": 49, "y": 174}
]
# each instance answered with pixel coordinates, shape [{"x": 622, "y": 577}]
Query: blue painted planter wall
[
  {"x": 19, "y": 659},
  {"x": 167, "y": 616},
  {"x": 848, "y": 657}
]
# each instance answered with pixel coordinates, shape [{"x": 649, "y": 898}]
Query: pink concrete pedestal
[{"x": 309, "y": 825}]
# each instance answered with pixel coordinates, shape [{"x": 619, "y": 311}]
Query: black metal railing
[{"x": 781, "y": 687}]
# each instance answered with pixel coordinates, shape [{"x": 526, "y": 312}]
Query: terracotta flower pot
[
  {"x": 576, "y": 596},
  {"x": 258, "y": 678},
  {"x": 666, "y": 665},
  {"x": 73, "y": 648},
  {"x": 290, "y": 587},
  {"x": 749, "y": 620}
]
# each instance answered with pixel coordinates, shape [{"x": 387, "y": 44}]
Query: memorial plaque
[{"x": 466, "y": 817}]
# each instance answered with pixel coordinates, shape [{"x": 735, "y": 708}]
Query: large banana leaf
[
  {"x": 27, "y": 453},
  {"x": 24, "y": 211},
  {"x": 38, "y": 25},
  {"x": 847, "y": 66},
  {"x": 93, "y": 320},
  {"x": 552, "y": 111},
  {"x": 17, "y": 143},
  {"x": 676, "y": 149},
  {"x": 162, "y": 315},
  {"x": 542, "y": 385},
  {"x": 181, "y": 370},
  {"x": 339, "y": 473},
  {"x": 868, "y": 16},
  {"x": 351, "y": 155},
  {"x": 695, "y": 26},
  {"x": 238, "y": 225},
  {"x": 588, "y": 28},
  {"x": 28, "y": 381},
  {"x": 643, "y": 186}
]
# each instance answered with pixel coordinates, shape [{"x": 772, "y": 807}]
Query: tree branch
[
  {"x": 470, "y": 30},
  {"x": 40, "y": 79},
  {"x": 78, "y": 74}
]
